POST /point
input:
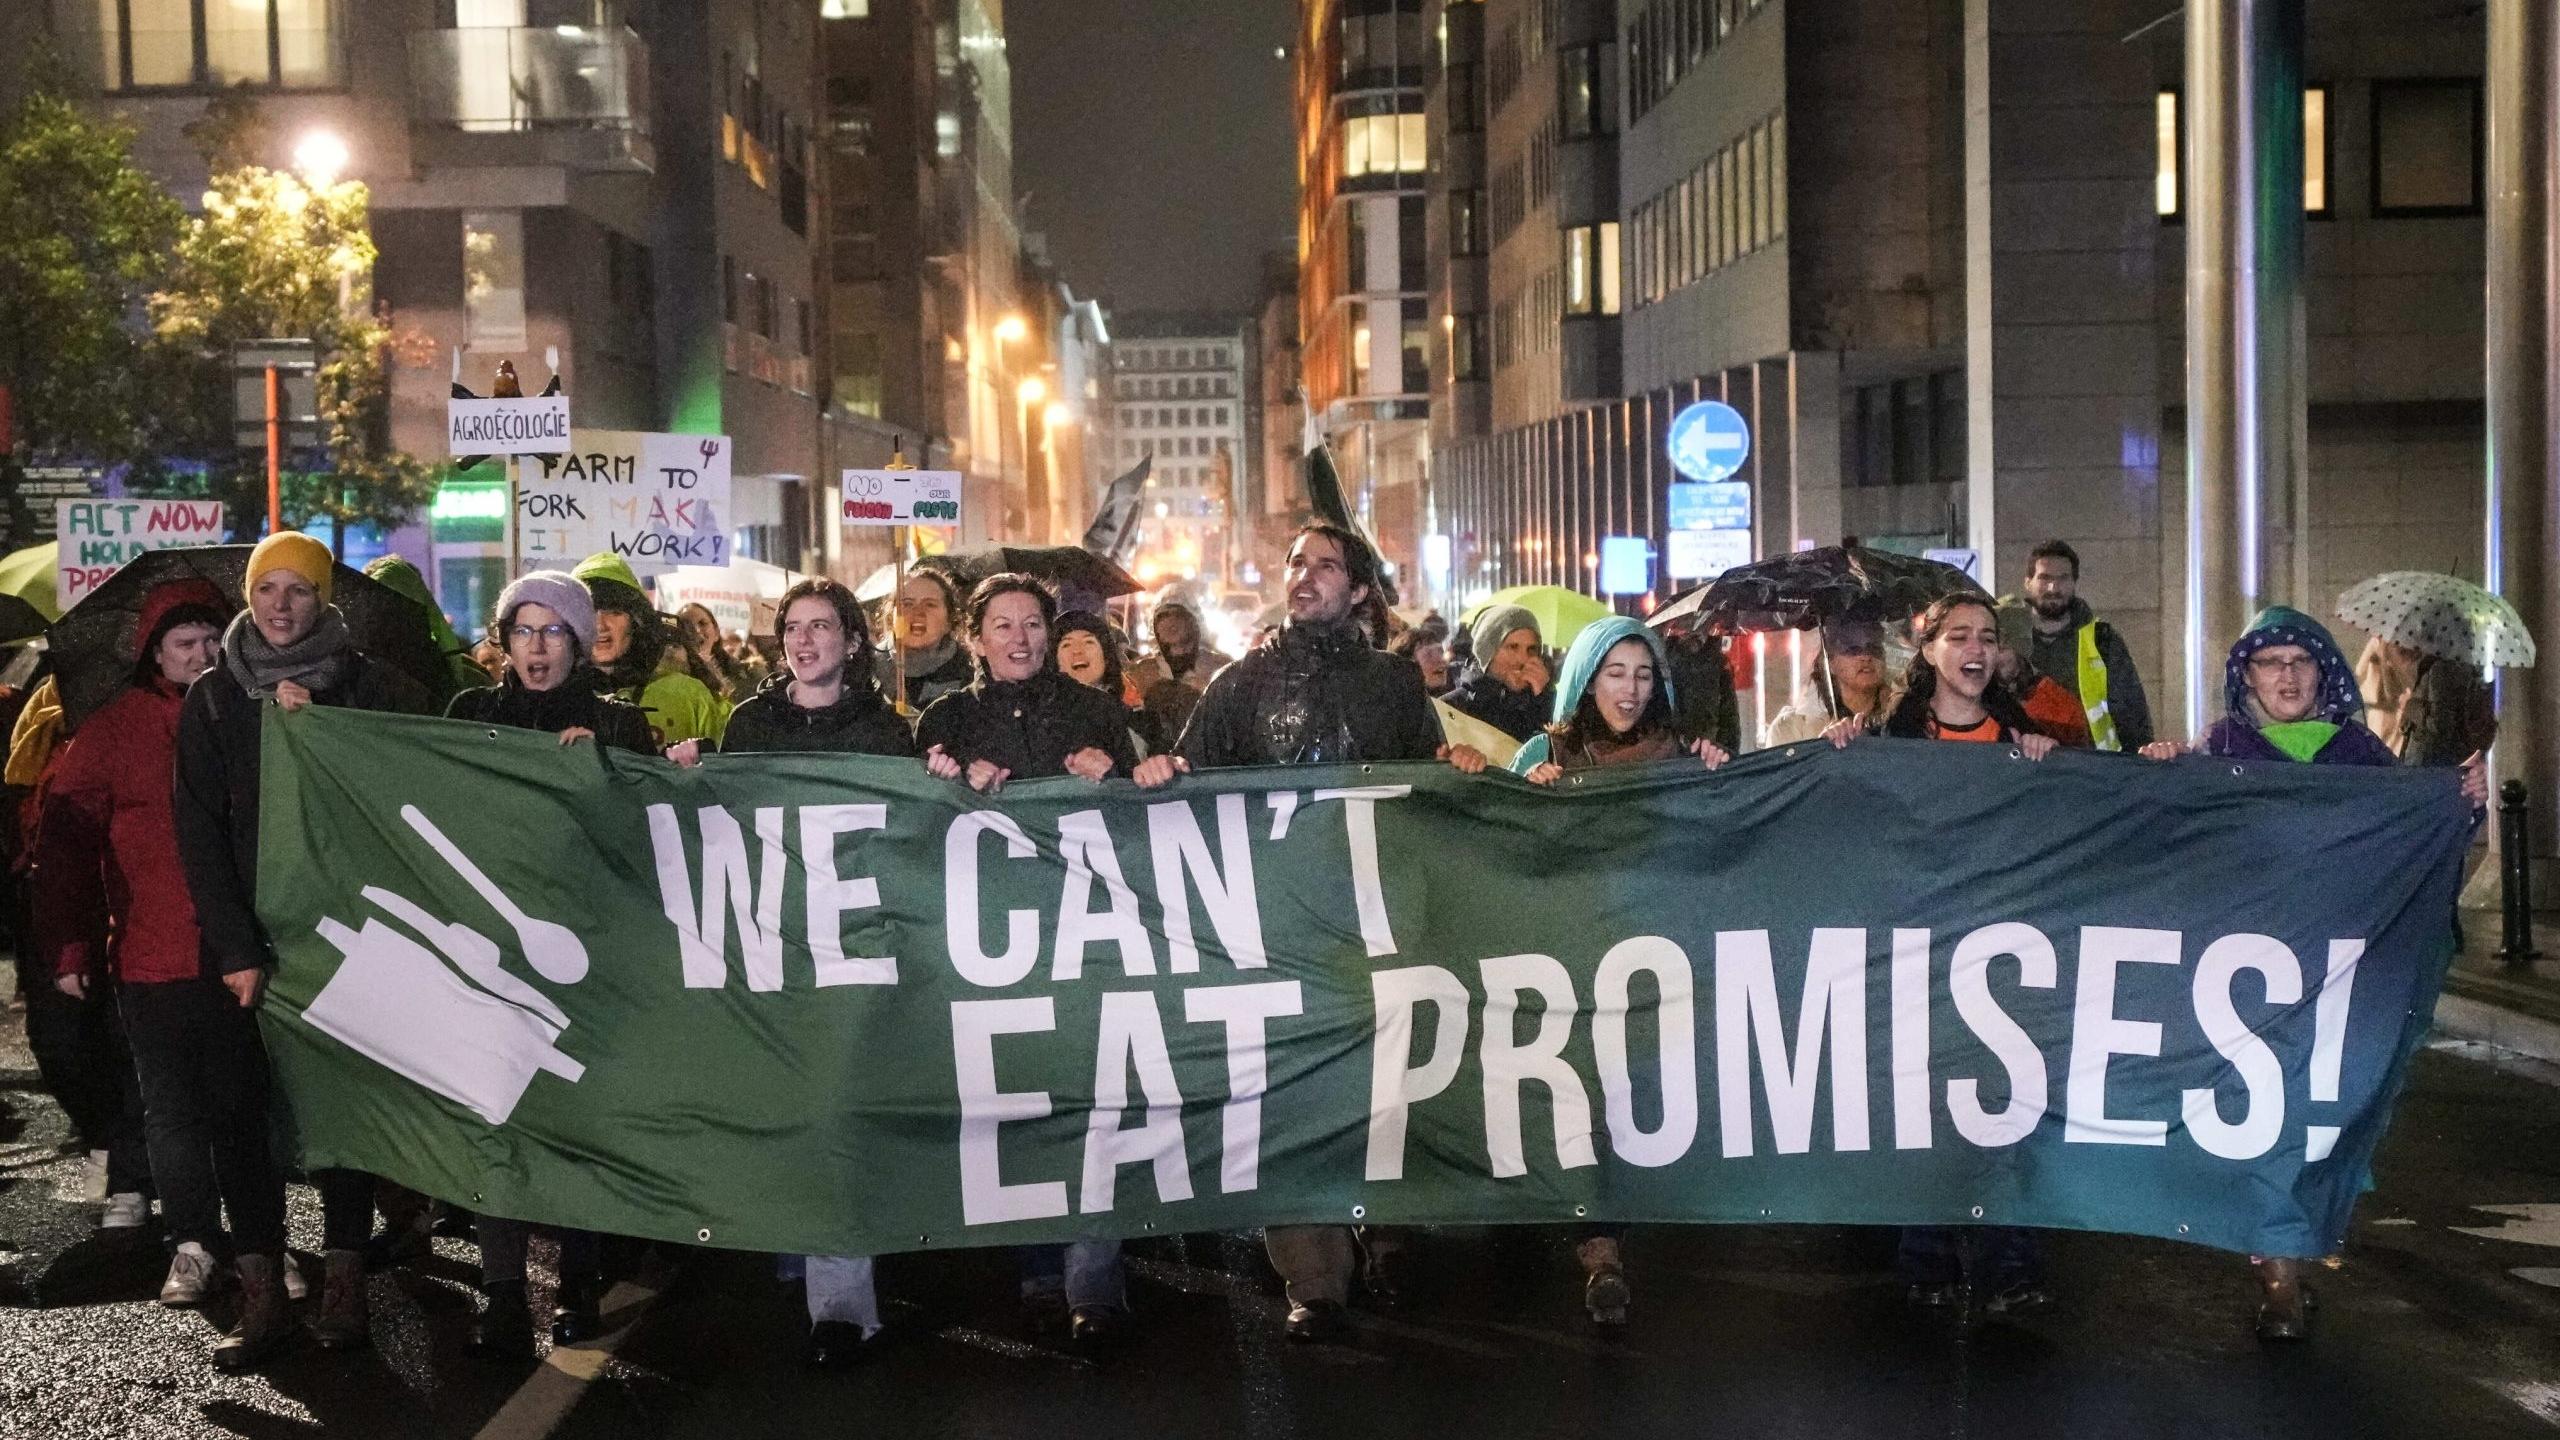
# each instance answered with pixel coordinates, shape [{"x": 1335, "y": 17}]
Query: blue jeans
[
  {"x": 841, "y": 1289},
  {"x": 2004, "y": 1256},
  {"x": 1087, "y": 1270}
]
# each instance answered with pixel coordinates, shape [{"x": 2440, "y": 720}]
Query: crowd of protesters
[{"x": 140, "y": 837}]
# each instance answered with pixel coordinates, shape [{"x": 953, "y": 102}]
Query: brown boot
[
  {"x": 266, "y": 1318},
  {"x": 2283, "y": 1309},
  {"x": 1604, "y": 1290},
  {"x": 344, "y": 1323}
]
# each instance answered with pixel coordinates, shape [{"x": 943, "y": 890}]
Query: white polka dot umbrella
[{"x": 2440, "y": 615}]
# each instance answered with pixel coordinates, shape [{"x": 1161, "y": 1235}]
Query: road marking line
[{"x": 560, "y": 1381}]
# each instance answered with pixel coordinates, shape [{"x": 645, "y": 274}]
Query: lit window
[
  {"x": 493, "y": 280},
  {"x": 1607, "y": 263},
  {"x": 2169, "y": 142},
  {"x": 154, "y": 43},
  {"x": 844, "y": 9},
  {"x": 1580, "y": 296},
  {"x": 2166, "y": 184}
]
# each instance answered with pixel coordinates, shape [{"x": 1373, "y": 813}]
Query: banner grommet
[{"x": 1359, "y": 1212}]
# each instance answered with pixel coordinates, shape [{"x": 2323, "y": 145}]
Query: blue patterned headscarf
[{"x": 2339, "y": 702}]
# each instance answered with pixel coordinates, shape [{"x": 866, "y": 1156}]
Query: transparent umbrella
[{"x": 2442, "y": 615}]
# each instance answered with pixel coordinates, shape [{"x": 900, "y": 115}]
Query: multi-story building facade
[
  {"x": 1936, "y": 255},
  {"x": 1280, "y": 406},
  {"x": 928, "y": 339},
  {"x": 1363, "y": 305},
  {"x": 629, "y": 183},
  {"x": 1179, "y": 394}
]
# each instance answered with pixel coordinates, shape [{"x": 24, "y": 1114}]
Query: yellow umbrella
[
  {"x": 1560, "y": 613},
  {"x": 28, "y": 574}
]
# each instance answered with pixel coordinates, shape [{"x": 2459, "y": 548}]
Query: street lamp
[
  {"x": 321, "y": 158},
  {"x": 1010, "y": 329}
]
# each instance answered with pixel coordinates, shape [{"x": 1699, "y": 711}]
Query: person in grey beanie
[{"x": 546, "y": 623}]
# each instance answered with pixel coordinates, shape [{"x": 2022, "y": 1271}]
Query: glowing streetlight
[
  {"x": 321, "y": 158},
  {"x": 1010, "y": 329},
  {"x": 1056, "y": 415},
  {"x": 1032, "y": 390}
]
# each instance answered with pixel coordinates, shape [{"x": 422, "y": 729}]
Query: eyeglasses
[
  {"x": 546, "y": 633},
  {"x": 2280, "y": 664}
]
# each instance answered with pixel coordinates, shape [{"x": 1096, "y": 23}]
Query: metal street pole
[
  {"x": 2246, "y": 417},
  {"x": 275, "y": 453},
  {"x": 2523, "y": 505}
]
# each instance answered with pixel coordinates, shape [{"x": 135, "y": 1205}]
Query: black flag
[
  {"x": 1325, "y": 498},
  {"x": 1113, "y": 535}
]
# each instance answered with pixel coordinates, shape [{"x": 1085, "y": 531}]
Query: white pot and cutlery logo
[{"x": 433, "y": 1002}]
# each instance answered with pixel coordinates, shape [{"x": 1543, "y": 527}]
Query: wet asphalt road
[{"x": 1761, "y": 1332}]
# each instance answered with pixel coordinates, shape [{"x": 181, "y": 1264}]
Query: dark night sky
[{"x": 1154, "y": 139}]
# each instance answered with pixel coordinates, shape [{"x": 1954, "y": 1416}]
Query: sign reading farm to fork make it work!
[{"x": 658, "y": 501}]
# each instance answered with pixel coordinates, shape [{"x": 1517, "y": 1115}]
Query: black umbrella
[
  {"x": 19, "y": 620},
  {"x": 1079, "y": 575},
  {"x": 92, "y": 644},
  {"x": 1811, "y": 588}
]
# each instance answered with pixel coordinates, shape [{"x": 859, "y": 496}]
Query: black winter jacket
[
  {"x": 1516, "y": 713},
  {"x": 859, "y": 724},
  {"x": 1317, "y": 695},
  {"x": 572, "y": 704},
  {"x": 1029, "y": 727},
  {"x": 217, "y": 796}
]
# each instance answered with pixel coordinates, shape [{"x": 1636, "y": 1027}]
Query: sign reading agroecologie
[
  {"x": 658, "y": 501},
  {"x": 531, "y": 425},
  {"x": 95, "y": 538},
  {"x": 831, "y": 1004}
]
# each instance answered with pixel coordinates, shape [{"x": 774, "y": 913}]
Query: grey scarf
[{"x": 317, "y": 661}]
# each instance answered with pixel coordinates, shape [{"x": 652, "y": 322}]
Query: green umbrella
[
  {"x": 1561, "y": 613},
  {"x": 28, "y": 574}
]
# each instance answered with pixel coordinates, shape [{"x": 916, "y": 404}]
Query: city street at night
[
  {"x": 2437, "y": 1323},
  {"x": 1279, "y": 719}
]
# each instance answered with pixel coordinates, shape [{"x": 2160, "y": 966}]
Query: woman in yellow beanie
[{"x": 291, "y": 647}]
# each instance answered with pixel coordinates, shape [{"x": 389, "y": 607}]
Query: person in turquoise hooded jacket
[{"x": 1613, "y": 706}]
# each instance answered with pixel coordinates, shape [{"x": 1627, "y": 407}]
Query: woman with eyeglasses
[
  {"x": 546, "y": 621},
  {"x": 2290, "y": 695}
]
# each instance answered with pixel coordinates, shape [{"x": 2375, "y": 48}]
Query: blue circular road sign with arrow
[{"x": 1709, "y": 441}]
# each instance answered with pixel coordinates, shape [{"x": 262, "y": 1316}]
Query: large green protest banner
[{"x": 831, "y": 1004}]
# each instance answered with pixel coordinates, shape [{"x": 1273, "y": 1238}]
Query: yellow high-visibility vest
[{"x": 2093, "y": 690}]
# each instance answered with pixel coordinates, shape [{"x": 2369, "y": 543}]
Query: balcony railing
[{"x": 500, "y": 80}]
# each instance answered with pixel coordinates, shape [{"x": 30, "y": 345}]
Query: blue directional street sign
[
  {"x": 1723, "y": 505},
  {"x": 1709, "y": 441}
]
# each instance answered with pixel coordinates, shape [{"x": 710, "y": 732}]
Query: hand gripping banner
[{"x": 831, "y": 1004}]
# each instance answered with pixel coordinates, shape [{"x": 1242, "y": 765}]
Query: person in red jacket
[{"x": 112, "y": 910}]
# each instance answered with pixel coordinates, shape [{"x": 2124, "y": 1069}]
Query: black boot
[
  {"x": 575, "y": 1320},
  {"x": 504, "y": 1329},
  {"x": 834, "y": 1344}
]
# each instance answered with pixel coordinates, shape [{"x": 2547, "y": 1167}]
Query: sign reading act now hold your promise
[{"x": 98, "y": 537}]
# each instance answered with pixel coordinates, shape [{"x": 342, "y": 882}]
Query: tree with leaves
[
  {"x": 278, "y": 255},
  {"x": 84, "y": 235}
]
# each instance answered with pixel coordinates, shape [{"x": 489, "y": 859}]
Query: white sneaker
[
  {"x": 93, "y": 1177},
  {"x": 130, "y": 1210},
  {"x": 295, "y": 1287},
  {"x": 190, "y": 1275}
]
